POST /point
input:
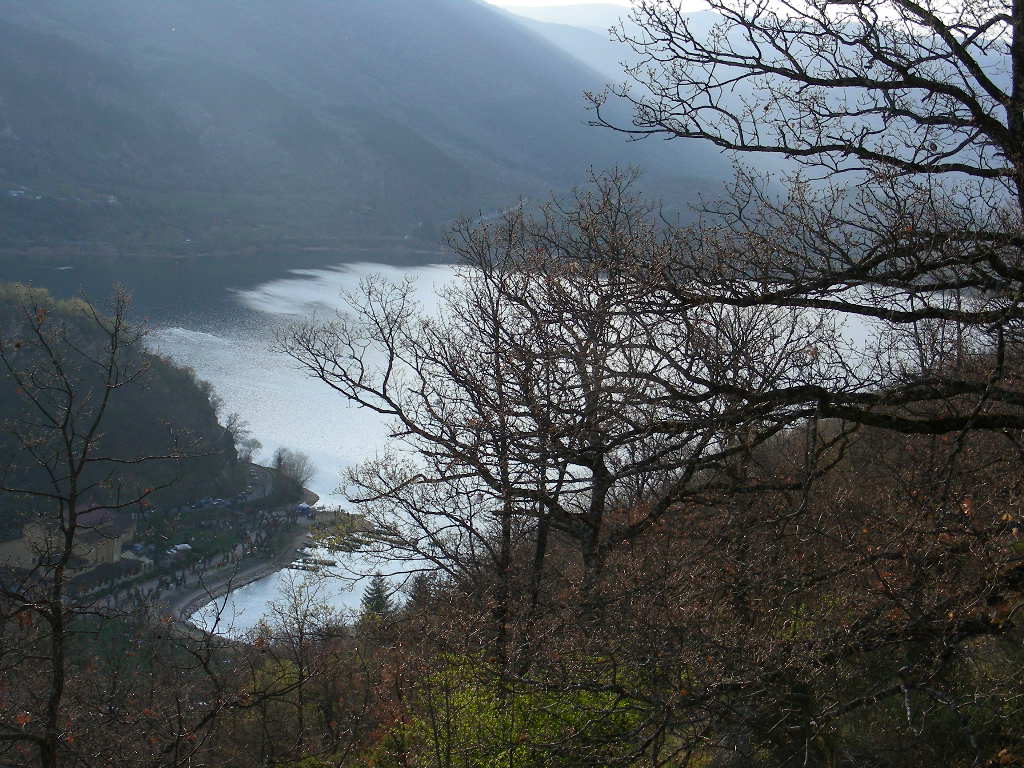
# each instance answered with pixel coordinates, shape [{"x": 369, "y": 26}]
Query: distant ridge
[
  {"x": 596, "y": 17},
  {"x": 199, "y": 122},
  {"x": 583, "y": 31}
]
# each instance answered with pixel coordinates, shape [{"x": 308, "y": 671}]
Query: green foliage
[
  {"x": 467, "y": 718},
  {"x": 307, "y": 762}
]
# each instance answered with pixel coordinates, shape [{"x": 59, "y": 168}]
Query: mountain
[
  {"x": 589, "y": 47},
  {"x": 597, "y": 17},
  {"x": 584, "y": 32},
  {"x": 204, "y": 123},
  {"x": 159, "y": 410}
]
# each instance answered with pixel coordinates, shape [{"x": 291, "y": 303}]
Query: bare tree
[
  {"x": 903, "y": 123},
  {"x": 65, "y": 370},
  {"x": 544, "y": 399},
  {"x": 294, "y": 470},
  {"x": 87, "y": 680},
  {"x": 901, "y": 209}
]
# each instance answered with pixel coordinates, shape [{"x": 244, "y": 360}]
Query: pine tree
[
  {"x": 377, "y": 598},
  {"x": 419, "y": 591}
]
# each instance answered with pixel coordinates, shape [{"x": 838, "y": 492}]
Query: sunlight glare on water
[{"x": 282, "y": 406}]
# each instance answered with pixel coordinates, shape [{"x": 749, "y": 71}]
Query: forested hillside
[
  {"x": 204, "y": 124},
  {"x": 160, "y": 440}
]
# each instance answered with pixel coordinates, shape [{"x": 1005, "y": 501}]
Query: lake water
[
  {"x": 232, "y": 349},
  {"x": 283, "y": 406}
]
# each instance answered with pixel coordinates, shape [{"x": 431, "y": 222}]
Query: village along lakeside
[
  {"x": 210, "y": 601},
  {"x": 260, "y": 532},
  {"x": 279, "y": 537},
  {"x": 202, "y": 587}
]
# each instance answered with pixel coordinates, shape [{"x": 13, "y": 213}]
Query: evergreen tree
[
  {"x": 419, "y": 591},
  {"x": 377, "y": 598}
]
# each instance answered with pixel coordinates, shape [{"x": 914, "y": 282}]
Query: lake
[
  {"x": 282, "y": 405},
  {"x": 227, "y": 336}
]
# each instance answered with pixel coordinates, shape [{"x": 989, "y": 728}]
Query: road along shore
[{"x": 181, "y": 604}]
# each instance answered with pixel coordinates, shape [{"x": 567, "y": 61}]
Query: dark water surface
[
  {"x": 173, "y": 290},
  {"x": 220, "y": 318}
]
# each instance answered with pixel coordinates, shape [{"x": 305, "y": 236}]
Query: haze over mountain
[
  {"x": 588, "y": 46},
  {"x": 202, "y": 123},
  {"x": 597, "y": 17},
  {"x": 583, "y": 31}
]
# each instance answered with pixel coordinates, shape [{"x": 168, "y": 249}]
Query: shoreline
[
  {"x": 182, "y": 603},
  {"x": 185, "y": 602}
]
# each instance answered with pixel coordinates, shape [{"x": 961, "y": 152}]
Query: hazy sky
[{"x": 558, "y": 2}]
